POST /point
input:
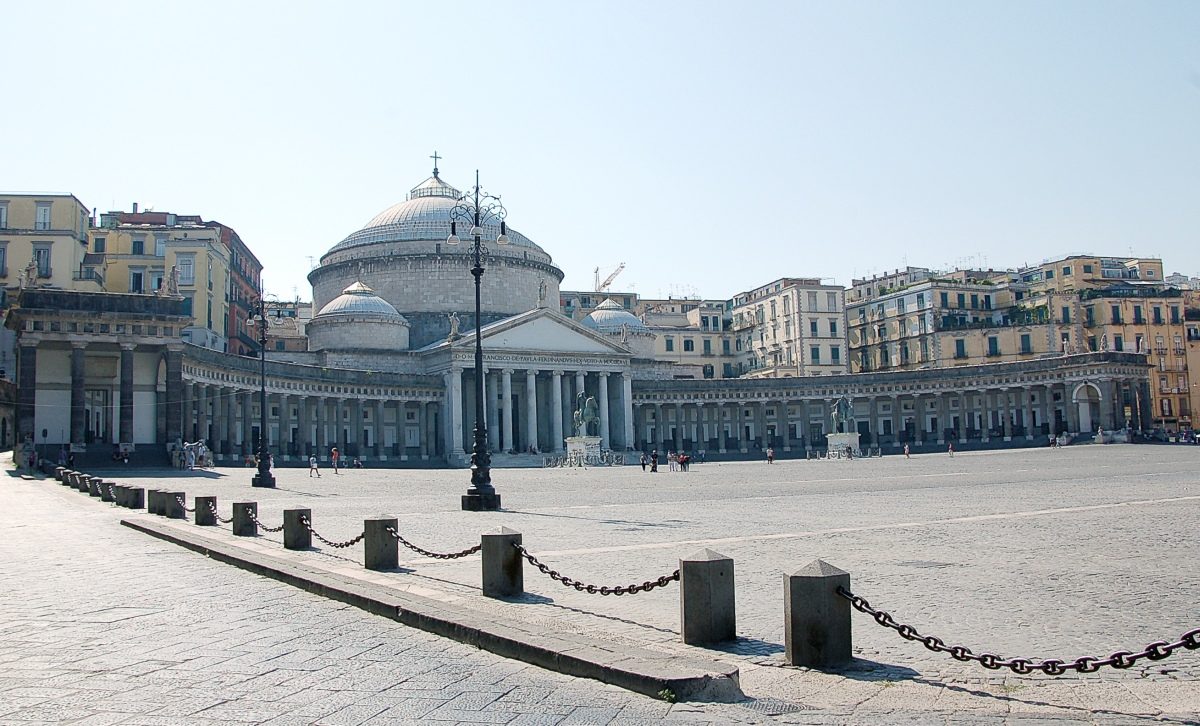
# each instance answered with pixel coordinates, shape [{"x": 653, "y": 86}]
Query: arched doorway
[{"x": 1087, "y": 398}]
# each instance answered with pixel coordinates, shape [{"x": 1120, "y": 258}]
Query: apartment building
[{"x": 789, "y": 327}]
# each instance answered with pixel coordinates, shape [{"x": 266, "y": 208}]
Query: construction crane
[{"x": 602, "y": 286}]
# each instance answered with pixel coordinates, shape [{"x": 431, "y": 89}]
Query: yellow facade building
[
  {"x": 43, "y": 241},
  {"x": 141, "y": 252}
]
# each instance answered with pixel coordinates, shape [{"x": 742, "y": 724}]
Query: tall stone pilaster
[{"x": 78, "y": 411}]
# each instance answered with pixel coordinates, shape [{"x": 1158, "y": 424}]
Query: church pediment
[
  {"x": 550, "y": 333},
  {"x": 538, "y": 330}
]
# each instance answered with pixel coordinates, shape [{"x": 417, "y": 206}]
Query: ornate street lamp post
[
  {"x": 478, "y": 209},
  {"x": 263, "y": 478}
]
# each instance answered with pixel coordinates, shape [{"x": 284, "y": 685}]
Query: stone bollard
[
  {"x": 94, "y": 483},
  {"x": 295, "y": 535},
  {"x": 58, "y": 472},
  {"x": 65, "y": 479},
  {"x": 82, "y": 483},
  {"x": 135, "y": 497},
  {"x": 243, "y": 525},
  {"x": 706, "y": 598},
  {"x": 152, "y": 501},
  {"x": 204, "y": 511},
  {"x": 68, "y": 479},
  {"x": 172, "y": 504},
  {"x": 73, "y": 481},
  {"x": 380, "y": 548},
  {"x": 503, "y": 566},
  {"x": 106, "y": 492},
  {"x": 816, "y": 626},
  {"x": 119, "y": 494}
]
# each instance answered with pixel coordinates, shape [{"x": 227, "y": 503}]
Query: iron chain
[
  {"x": 337, "y": 545},
  {"x": 185, "y": 506},
  {"x": 435, "y": 555},
  {"x": 212, "y": 507},
  {"x": 254, "y": 518},
  {"x": 1052, "y": 667},
  {"x": 646, "y": 586}
]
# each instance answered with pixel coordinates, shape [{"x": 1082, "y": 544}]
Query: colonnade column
[
  {"x": 784, "y": 421},
  {"x": 221, "y": 404},
  {"x": 202, "y": 412},
  {"x": 1007, "y": 409},
  {"x": 174, "y": 394},
  {"x": 873, "y": 412},
  {"x": 605, "y": 437},
  {"x": 285, "y": 425},
  {"x": 739, "y": 429},
  {"x": 1071, "y": 408},
  {"x": 986, "y": 412},
  {"x": 802, "y": 429},
  {"x": 942, "y": 418},
  {"x": 556, "y": 410},
  {"x": 1048, "y": 408},
  {"x": 760, "y": 424},
  {"x": 918, "y": 420},
  {"x": 493, "y": 410},
  {"x": 126, "y": 412},
  {"x": 722, "y": 436},
  {"x": 188, "y": 413},
  {"x": 677, "y": 443},
  {"x": 896, "y": 421},
  {"x": 531, "y": 417},
  {"x": 659, "y": 427},
  {"x": 1027, "y": 412},
  {"x": 426, "y": 416},
  {"x": 248, "y": 443},
  {"x": 376, "y": 408},
  {"x": 78, "y": 410},
  {"x": 962, "y": 418},
  {"x": 304, "y": 445},
  {"x": 627, "y": 408},
  {"x": 506, "y": 408},
  {"x": 454, "y": 386}
]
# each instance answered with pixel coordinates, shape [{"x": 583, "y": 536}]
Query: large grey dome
[
  {"x": 358, "y": 299},
  {"x": 423, "y": 216},
  {"x": 609, "y": 317}
]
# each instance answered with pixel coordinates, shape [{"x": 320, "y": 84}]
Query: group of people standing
[
  {"x": 675, "y": 461},
  {"x": 335, "y": 461}
]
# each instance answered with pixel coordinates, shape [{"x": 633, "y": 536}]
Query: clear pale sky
[{"x": 712, "y": 147}]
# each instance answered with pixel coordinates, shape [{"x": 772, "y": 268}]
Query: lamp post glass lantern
[
  {"x": 478, "y": 209},
  {"x": 264, "y": 477}
]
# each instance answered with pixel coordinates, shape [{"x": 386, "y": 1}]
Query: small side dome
[
  {"x": 358, "y": 299},
  {"x": 610, "y": 317}
]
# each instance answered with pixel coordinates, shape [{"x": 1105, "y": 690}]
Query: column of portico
[
  {"x": 321, "y": 426},
  {"x": 783, "y": 423},
  {"x": 426, "y": 413},
  {"x": 659, "y": 426},
  {"x": 377, "y": 446},
  {"x": 1071, "y": 408},
  {"x": 1048, "y": 408},
  {"x": 126, "y": 413},
  {"x": 356, "y": 426},
  {"x": 78, "y": 409},
  {"x": 506, "y": 409},
  {"x": 454, "y": 387},
  {"x": 221, "y": 421},
  {"x": 627, "y": 408},
  {"x": 943, "y": 418},
  {"x": 605, "y": 434},
  {"x": 491, "y": 392},
  {"x": 739, "y": 428},
  {"x": 531, "y": 406},
  {"x": 556, "y": 412},
  {"x": 285, "y": 426},
  {"x": 202, "y": 398},
  {"x": 873, "y": 412},
  {"x": 918, "y": 419},
  {"x": 304, "y": 438},
  {"x": 678, "y": 438},
  {"x": 802, "y": 429},
  {"x": 1109, "y": 413},
  {"x": 896, "y": 421},
  {"x": 962, "y": 418},
  {"x": 188, "y": 413},
  {"x": 722, "y": 438},
  {"x": 249, "y": 445},
  {"x": 1027, "y": 411},
  {"x": 174, "y": 394},
  {"x": 760, "y": 424},
  {"x": 986, "y": 412},
  {"x": 27, "y": 391},
  {"x": 1007, "y": 409}
]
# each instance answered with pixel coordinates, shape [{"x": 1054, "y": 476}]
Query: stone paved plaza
[{"x": 1036, "y": 553}]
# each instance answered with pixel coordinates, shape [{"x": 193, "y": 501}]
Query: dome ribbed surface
[
  {"x": 358, "y": 299},
  {"x": 424, "y": 216},
  {"x": 610, "y": 317}
]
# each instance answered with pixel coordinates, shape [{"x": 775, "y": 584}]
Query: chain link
[
  {"x": 435, "y": 555},
  {"x": 254, "y": 518},
  {"x": 337, "y": 545},
  {"x": 185, "y": 507},
  {"x": 646, "y": 586},
  {"x": 212, "y": 507},
  {"x": 1157, "y": 650}
]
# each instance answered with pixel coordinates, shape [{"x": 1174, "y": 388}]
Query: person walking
[
  {"x": 312, "y": 466},
  {"x": 644, "y": 461},
  {"x": 654, "y": 462},
  {"x": 333, "y": 459},
  {"x": 770, "y": 454},
  {"x": 906, "y": 451},
  {"x": 950, "y": 449}
]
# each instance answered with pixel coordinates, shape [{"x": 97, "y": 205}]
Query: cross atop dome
[{"x": 435, "y": 158}]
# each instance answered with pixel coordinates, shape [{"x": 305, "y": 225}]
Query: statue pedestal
[
  {"x": 583, "y": 449},
  {"x": 839, "y": 442}
]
